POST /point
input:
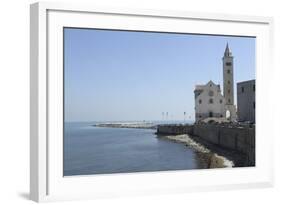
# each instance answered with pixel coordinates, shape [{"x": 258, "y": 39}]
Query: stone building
[
  {"x": 209, "y": 102},
  {"x": 246, "y": 101}
]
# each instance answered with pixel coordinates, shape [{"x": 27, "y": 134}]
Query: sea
[{"x": 92, "y": 150}]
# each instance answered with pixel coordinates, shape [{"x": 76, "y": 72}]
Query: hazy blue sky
[{"x": 121, "y": 75}]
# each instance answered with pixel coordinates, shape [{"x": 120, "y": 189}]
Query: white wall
[
  {"x": 14, "y": 103},
  {"x": 204, "y": 108}
]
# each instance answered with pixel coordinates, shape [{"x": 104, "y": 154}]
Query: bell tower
[
  {"x": 228, "y": 76},
  {"x": 228, "y": 91}
]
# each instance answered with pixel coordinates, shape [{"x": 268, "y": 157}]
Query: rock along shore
[
  {"x": 213, "y": 159},
  {"x": 235, "y": 141}
]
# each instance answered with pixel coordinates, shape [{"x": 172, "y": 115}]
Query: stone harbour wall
[
  {"x": 241, "y": 139},
  {"x": 234, "y": 137},
  {"x": 174, "y": 129}
]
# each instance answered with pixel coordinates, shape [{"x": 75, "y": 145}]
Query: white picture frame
[{"x": 46, "y": 179}]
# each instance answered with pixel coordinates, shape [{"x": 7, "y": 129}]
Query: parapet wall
[
  {"x": 241, "y": 139},
  {"x": 174, "y": 129}
]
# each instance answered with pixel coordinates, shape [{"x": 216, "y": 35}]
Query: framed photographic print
[{"x": 127, "y": 102}]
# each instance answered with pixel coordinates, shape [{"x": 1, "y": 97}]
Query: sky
[{"x": 134, "y": 76}]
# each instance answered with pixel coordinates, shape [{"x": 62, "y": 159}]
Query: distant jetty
[{"x": 135, "y": 125}]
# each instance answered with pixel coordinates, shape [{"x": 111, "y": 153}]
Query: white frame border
[{"x": 38, "y": 83}]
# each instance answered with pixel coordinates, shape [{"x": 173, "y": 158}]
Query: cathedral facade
[{"x": 210, "y": 103}]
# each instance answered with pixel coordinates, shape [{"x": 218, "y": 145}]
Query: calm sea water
[{"x": 97, "y": 150}]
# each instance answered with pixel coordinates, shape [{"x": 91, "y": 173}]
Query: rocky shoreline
[
  {"x": 235, "y": 142},
  {"x": 212, "y": 159}
]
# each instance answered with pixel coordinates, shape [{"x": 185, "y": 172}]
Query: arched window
[
  {"x": 200, "y": 101},
  {"x": 227, "y": 114},
  {"x": 211, "y": 101}
]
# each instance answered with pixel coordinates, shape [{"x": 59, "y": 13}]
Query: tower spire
[
  {"x": 227, "y": 51},
  {"x": 228, "y": 91}
]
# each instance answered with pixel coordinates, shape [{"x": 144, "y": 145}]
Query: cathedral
[{"x": 210, "y": 103}]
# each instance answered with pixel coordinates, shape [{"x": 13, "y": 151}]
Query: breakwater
[
  {"x": 236, "y": 141},
  {"x": 136, "y": 125}
]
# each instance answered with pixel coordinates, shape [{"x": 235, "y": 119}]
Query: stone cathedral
[{"x": 210, "y": 103}]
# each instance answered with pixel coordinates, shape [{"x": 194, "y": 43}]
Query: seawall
[{"x": 239, "y": 139}]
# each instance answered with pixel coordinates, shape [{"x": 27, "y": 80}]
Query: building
[
  {"x": 209, "y": 102},
  {"x": 246, "y": 101}
]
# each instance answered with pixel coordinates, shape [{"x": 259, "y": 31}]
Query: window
[
  {"x": 211, "y": 93},
  {"x": 227, "y": 114},
  {"x": 229, "y": 100},
  {"x": 199, "y": 116},
  {"x": 254, "y": 105},
  {"x": 220, "y": 101},
  {"x": 211, "y": 101},
  {"x": 228, "y": 91},
  {"x": 242, "y": 89},
  {"x": 228, "y": 63},
  {"x": 254, "y": 88},
  {"x": 228, "y": 82},
  {"x": 221, "y": 115},
  {"x": 210, "y": 114},
  {"x": 200, "y": 101},
  {"x": 228, "y": 71}
]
